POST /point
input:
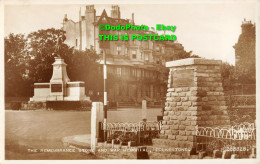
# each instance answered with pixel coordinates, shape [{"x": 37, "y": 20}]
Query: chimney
[
  {"x": 65, "y": 18},
  {"x": 133, "y": 18},
  {"x": 115, "y": 12}
]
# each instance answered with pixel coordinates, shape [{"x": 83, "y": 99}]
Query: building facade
[
  {"x": 137, "y": 67},
  {"x": 245, "y": 46},
  {"x": 246, "y": 59}
]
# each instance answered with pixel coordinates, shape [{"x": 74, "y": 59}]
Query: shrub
[
  {"x": 15, "y": 105},
  {"x": 84, "y": 104}
]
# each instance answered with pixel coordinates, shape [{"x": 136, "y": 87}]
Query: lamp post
[{"x": 105, "y": 95}]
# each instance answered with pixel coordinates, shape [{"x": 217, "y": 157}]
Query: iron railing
[
  {"x": 139, "y": 133},
  {"x": 239, "y": 139}
]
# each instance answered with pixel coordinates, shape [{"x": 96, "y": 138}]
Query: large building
[
  {"x": 245, "y": 46},
  {"x": 138, "y": 67},
  {"x": 245, "y": 59}
]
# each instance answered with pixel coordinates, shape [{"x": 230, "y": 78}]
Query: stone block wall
[{"x": 194, "y": 97}]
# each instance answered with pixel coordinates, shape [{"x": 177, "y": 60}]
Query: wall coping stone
[
  {"x": 41, "y": 83},
  {"x": 75, "y": 82},
  {"x": 193, "y": 61}
]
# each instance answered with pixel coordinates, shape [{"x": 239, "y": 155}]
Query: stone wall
[{"x": 194, "y": 97}]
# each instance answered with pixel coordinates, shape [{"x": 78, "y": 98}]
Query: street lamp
[{"x": 105, "y": 94}]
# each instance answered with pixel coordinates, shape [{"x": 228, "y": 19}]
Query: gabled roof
[{"x": 104, "y": 18}]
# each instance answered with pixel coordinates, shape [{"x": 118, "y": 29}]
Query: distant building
[
  {"x": 245, "y": 58},
  {"x": 137, "y": 66},
  {"x": 245, "y": 46}
]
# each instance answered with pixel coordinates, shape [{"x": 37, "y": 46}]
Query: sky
[{"x": 209, "y": 30}]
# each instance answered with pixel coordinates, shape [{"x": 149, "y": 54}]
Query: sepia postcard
[{"x": 91, "y": 81}]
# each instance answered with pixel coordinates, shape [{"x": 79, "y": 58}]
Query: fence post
[
  {"x": 96, "y": 117},
  {"x": 144, "y": 110}
]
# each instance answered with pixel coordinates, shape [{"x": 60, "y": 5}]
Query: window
[
  {"x": 162, "y": 50},
  {"x": 147, "y": 74},
  {"x": 117, "y": 90},
  {"x": 134, "y": 54},
  {"x": 126, "y": 51},
  {"x": 134, "y": 72},
  {"x": 138, "y": 73},
  {"x": 158, "y": 61},
  {"x": 146, "y": 57},
  {"x": 134, "y": 42},
  {"x": 76, "y": 42},
  {"x": 118, "y": 50},
  {"x": 157, "y": 48},
  {"x": 118, "y": 71}
]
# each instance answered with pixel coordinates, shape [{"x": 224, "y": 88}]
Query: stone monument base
[
  {"x": 195, "y": 98},
  {"x": 75, "y": 91}
]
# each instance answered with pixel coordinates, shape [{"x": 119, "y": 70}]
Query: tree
[
  {"x": 227, "y": 73},
  {"x": 83, "y": 66},
  {"x": 15, "y": 54},
  {"x": 43, "y": 49},
  {"x": 46, "y": 44},
  {"x": 181, "y": 55},
  {"x": 233, "y": 76},
  {"x": 195, "y": 56},
  {"x": 29, "y": 60}
]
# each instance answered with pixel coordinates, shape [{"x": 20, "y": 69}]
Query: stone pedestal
[
  {"x": 194, "y": 97},
  {"x": 59, "y": 88},
  {"x": 59, "y": 79}
]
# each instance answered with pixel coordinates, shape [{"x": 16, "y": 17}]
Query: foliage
[
  {"x": 232, "y": 75},
  {"x": 42, "y": 47},
  {"x": 15, "y": 105},
  {"x": 181, "y": 55},
  {"x": 15, "y": 56},
  {"x": 119, "y": 136},
  {"x": 29, "y": 60},
  {"x": 241, "y": 115},
  {"x": 82, "y": 66}
]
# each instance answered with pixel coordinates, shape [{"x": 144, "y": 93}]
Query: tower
[
  {"x": 245, "y": 46},
  {"x": 90, "y": 15},
  {"x": 80, "y": 31}
]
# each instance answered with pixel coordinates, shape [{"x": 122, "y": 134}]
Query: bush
[
  {"x": 15, "y": 105},
  {"x": 63, "y": 105},
  {"x": 85, "y": 104},
  {"x": 240, "y": 115},
  {"x": 68, "y": 105}
]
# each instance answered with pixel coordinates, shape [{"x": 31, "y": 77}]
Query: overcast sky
[{"x": 208, "y": 29}]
